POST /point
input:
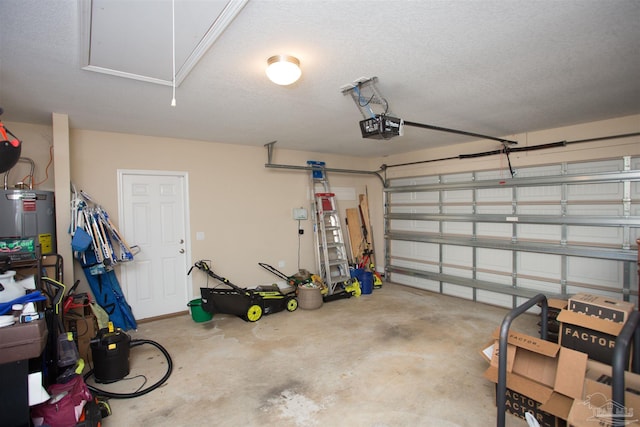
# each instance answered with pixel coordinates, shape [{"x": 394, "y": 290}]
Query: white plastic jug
[{"x": 10, "y": 289}]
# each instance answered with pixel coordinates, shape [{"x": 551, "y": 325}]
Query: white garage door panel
[
  {"x": 500, "y": 279},
  {"x": 402, "y": 248},
  {"x": 457, "y": 261},
  {"x": 494, "y": 259},
  {"x": 416, "y": 282},
  {"x": 612, "y": 165},
  {"x": 427, "y": 285},
  {"x": 494, "y": 298},
  {"x": 539, "y": 265},
  {"x": 539, "y": 210},
  {"x": 428, "y": 251},
  {"x": 540, "y": 286},
  {"x": 425, "y": 209},
  {"x": 576, "y": 290},
  {"x": 414, "y": 265},
  {"x": 494, "y": 230},
  {"x": 401, "y": 209},
  {"x": 600, "y": 235},
  {"x": 535, "y": 171},
  {"x": 457, "y": 255},
  {"x": 401, "y": 225},
  {"x": 414, "y": 209},
  {"x": 606, "y": 191},
  {"x": 599, "y": 272},
  {"x": 463, "y": 228},
  {"x": 550, "y": 233},
  {"x": 538, "y": 194},
  {"x": 457, "y": 291},
  {"x": 457, "y": 196},
  {"x": 494, "y": 174},
  {"x": 494, "y": 209},
  {"x": 591, "y": 210},
  {"x": 426, "y": 197},
  {"x": 417, "y": 226},
  {"x": 494, "y": 195},
  {"x": 465, "y": 273},
  {"x": 457, "y": 177},
  {"x": 457, "y": 209},
  {"x": 400, "y": 198}
]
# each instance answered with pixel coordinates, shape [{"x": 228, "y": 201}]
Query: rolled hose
[{"x": 135, "y": 343}]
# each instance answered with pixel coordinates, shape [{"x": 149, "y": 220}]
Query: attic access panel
[{"x": 134, "y": 39}]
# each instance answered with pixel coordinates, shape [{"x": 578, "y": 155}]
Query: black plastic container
[{"x": 110, "y": 351}]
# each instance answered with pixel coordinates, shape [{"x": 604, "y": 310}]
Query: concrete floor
[{"x": 397, "y": 357}]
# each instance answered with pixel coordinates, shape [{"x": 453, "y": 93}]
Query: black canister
[{"x": 110, "y": 351}]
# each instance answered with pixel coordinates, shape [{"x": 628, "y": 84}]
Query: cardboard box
[
  {"x": 601, "y": 307},
  {"x": 84, "y": 328},
  {"x": 518, "y": 404},
  {"x": 589, "y": 334},
  {"x": 542, "y": 377},
  {"x": 595, "y": 407}
]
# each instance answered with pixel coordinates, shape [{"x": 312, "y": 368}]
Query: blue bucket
[{"x": 365, "y": 278}]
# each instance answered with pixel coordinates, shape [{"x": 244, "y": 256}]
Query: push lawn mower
[{"x": 249, "y": 304}]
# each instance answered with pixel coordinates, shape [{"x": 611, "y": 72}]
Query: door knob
[{"x": 181, "y": 251}]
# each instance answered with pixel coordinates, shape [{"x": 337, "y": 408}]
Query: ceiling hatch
[{"x": 134, "y": 39}]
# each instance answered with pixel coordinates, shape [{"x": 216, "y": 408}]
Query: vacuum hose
[{"x": 135, "y": 343}]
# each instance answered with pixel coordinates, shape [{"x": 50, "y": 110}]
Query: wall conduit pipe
[{"x": 269, "y": 164}]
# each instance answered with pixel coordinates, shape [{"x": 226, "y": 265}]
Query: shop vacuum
[{"x": 110, "y": 350}]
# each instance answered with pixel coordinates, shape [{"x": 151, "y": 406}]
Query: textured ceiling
[{"x": 492, "y": 67}]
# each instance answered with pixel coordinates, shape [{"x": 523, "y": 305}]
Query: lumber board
[{"x": 356, "y": 239}]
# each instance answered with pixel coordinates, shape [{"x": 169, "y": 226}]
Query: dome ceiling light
[{"x": 283, "y": 69}]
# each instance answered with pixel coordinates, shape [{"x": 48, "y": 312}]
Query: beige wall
[
  {"x": 244, "y": 209},
  {"x": 37, "y": 144}
]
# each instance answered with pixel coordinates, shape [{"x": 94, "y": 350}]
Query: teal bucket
[{"x": 197, "y": 312}]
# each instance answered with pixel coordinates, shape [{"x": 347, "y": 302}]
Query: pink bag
[{"x": 65, "y": 406}]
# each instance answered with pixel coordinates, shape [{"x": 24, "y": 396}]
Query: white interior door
[{"x": 153, "y": 216}]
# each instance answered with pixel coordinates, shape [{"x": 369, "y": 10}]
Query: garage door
[{"x": 554, "y": 229}]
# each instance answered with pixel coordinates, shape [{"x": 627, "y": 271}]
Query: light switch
[{"x": 200, "y": 235}]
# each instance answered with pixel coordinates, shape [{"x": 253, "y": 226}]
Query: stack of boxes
[
  {"x": 591, "y": 324},
  {"x": 83, "y": 324},
  {"x": 569, "y": 382}
]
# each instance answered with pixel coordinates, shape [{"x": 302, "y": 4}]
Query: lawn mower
[
  {"x": 300, "y": 278},
  {"x": 350, "y": 287},
  {"x": 249, "y": 304}
]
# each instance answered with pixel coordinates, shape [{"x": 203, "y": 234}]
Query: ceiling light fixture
[{"x": 283, "y": 69}]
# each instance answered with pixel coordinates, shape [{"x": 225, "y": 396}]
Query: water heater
[{"x": 29, "y": 214}]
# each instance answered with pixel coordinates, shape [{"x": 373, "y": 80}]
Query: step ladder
[{"x": 331, "y": 251}]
